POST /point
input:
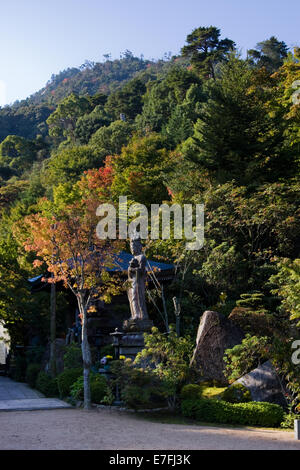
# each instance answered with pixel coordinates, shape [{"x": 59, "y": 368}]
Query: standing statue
[
  {"x": 132, "y": 341},
  {"x": 137, "y": 278}
]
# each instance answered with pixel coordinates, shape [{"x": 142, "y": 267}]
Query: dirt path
[{"x": 76, "y": 429}]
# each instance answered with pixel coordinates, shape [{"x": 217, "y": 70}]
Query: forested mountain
[
  {"x": 205, "y": 127},
  {"x": 27, "y": 118}
]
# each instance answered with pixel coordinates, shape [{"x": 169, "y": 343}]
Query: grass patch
[{"x": 211, "y": 392}]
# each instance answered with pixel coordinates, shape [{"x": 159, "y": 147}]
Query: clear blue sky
[{"x": 41, "y": 37}]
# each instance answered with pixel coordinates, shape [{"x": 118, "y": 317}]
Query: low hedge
[
  {"x": 237, "y": 393},
  {"x": 191, "y": 392},
  {"x": 98, "y": 388},
  {"x": 221, "y": 412},
  {"x": 47, "y": 385},
  {"x": 66, "y": 379}
]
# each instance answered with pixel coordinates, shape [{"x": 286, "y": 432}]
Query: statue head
[{"x": 136, "y": 246}]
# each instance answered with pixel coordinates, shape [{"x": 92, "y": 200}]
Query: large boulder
[
  {"x": 215, "y": 334},
  {"x": 264, "y": 385}
]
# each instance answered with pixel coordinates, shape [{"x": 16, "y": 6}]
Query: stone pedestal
[{"x": 132, "y": 341}]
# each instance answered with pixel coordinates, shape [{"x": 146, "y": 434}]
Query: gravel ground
[{"x": 77, "y": 429}]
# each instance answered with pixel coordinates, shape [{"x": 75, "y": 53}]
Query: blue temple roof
[{"x": 122, "y": 263}]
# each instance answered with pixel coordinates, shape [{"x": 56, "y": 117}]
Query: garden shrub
[
  {"x": 221, "y": 412},
  {"x": 237, "y": 393},
  {"x": 66, "y": 379},
  {"x": 138, "y": 397},
  {"x": 139, "y": 388},
  {"x": 72, "y": 357},
  {"x": 288, "y": 421},
  {"x": 190, "y": 392},
  {"x": 98, "y": 387},
  {"x": 211, "y": 390},
  {"x": 168, "y": 357},
  {"x": 32, "y": 373},
  {"x": 47, "y": 385}
]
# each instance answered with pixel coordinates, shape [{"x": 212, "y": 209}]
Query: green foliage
[
  {"x": 98, "y": 387},
  {"x": 211, "y": 390},
  {"x": 66, "y": 379},
  {"x": 246, "y": 414},
  {"x": 269, "y": 53},
  {"x": 235, "y": 138},
  {"x": 289, "y": 420},
  {"x": 171, "y": 101},
  {"x": 142, "y": 396},
  {"x": 140, "y": 387},
  {"x": 25, "y": 119},
  {"x": 244, "y": 357},
  {"x": 191, "y": 392},
  {"x": 206, "y": 49},
  {"x": 231, "y": 143},
  {"x": 288, "y": 286},
  {"x": 109, "y": 140},
  {"x": 47, "y": 385},
  {"x": 17, "y": 153},
  {"x": 68, "y": 165},
  {"x": 72, "y": 357},
  {"x": 32, "y": 373},
  {"x": 62, "y": 122},
  {"x": 88, "y": 124},
  {"x": 168, "y": 357},
  {"x": 236, "y": 393},
  {"x": 127, "y": 101},
  {"x": 138, "y": 170}
]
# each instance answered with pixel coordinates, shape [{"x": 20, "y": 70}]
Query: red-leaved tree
[{"x": 67, "y": 242}]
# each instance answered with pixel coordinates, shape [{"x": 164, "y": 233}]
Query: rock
[
  {"x": 215, "y": 334},
  {"x": 264, "y": 385}
]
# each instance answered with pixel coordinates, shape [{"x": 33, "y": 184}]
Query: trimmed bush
[
  {"x": 98, "y": 386},
  {"x": 237, "y": 393},
  {"x": 73, "y": 357},
  {"x": 137, "y": 397},
  {"x": 32, "y": 373},
  {"x": 66, "y": 379},
  {"x": 246, "y": 414},
  {"x": 47, "y": 385},
  {"x": 191, "y": 392}
]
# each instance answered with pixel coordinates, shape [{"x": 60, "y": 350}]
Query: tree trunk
[
  {"x": 166, "y": 318},
  {"x": 86, "y": 356},
  {"x": 53, "y": 330}
]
